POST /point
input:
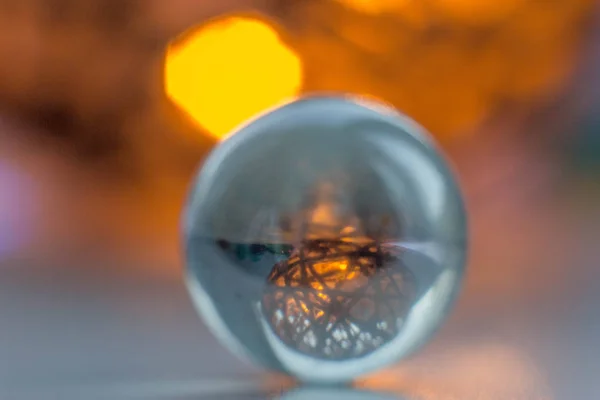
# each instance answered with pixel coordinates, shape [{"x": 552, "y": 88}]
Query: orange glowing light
[
  {"x": 449, "y": 64},
  {"x": 374, "y": 6},
  {"x": 478, "y": 11},
  {"x": 230, "y": 70}
]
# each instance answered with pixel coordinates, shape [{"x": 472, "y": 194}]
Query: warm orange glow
[
  {"x": 229, "y": 71},
  {"x": 374, "y": 6},
  {"x": 323, "y": 296},
  {"x": 304, "y": 307},
  {"x": 331, "y": 267},
  {"x": 449, "y": 64},
  {"x": 478, "y": 11},
  {"x": 336, "y": 273},
  {"x": 485, "y": 369}
]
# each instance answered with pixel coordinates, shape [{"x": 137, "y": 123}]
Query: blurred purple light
[{"x": 16, "y": 200}]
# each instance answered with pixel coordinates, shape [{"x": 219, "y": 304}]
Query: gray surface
[{"x": 526, "y": 327}]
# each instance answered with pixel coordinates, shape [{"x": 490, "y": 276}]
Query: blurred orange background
[{"x": 107, "y": 108}]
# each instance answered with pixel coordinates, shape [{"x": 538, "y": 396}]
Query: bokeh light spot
[
  {"x": 230, "y": 70},
  {"x": 375, "y": 6},
  {"x": 16, "y": 209},
  {"x": 478, "y": 12}
]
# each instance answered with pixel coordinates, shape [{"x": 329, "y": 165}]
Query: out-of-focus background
[{"x": 107, "y": 107}]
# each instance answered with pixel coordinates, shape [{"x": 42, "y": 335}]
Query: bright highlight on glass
[{"x": 230, "y": 70}]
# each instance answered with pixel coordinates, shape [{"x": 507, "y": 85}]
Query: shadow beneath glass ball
[{"x": 335, "y": 393}]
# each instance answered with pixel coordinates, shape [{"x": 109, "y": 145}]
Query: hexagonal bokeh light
[{"x": 229, "y": 70}]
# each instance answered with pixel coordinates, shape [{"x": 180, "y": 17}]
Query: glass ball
[{"x": 325, "y": 239}]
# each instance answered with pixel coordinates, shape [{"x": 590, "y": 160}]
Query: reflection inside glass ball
[
  {"x": 336, "y": 293},
  {"x": 338, "y": 299}
]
